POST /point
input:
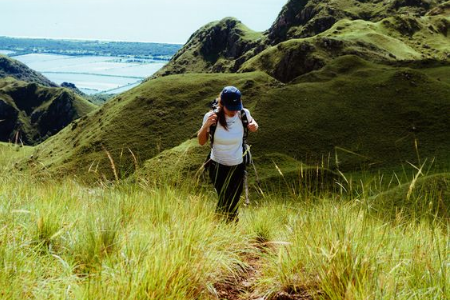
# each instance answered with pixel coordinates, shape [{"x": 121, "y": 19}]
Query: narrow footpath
[{"x": 243, "y": 285}]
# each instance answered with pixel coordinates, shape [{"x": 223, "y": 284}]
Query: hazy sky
[{"x": 169, "y": 21}]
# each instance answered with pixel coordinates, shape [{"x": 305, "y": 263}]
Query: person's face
[{"x": 230, "y": 113}]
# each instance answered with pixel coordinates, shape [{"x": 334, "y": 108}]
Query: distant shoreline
[
  {"x": 92, "y": 74},
  {"x": 83, "y": 40},
  {"x": 73, "y": 47}
]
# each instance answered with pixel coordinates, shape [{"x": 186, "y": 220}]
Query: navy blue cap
[{"x": 231, "y": 98}]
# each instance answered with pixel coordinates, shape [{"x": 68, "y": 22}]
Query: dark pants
[{"x": 228, "y": 182}]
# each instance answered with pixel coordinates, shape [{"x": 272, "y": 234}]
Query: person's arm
[
  {"x": 202, "y": 134},
  {"x": 252, "y": 125}
]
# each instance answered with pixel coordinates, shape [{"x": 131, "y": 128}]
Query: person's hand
[
  {"x": 252, "y": 126},
  {"x": 212, "y": 119}
]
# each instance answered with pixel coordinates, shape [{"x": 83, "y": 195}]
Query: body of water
[
  {"x": 93, "y": 74},
  {"x": 6, "y": 52}
]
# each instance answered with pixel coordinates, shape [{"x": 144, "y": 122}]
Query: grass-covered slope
[
  {"x": 13, "y": 68},
  {"x": 12, "y": 154},
  {"x": 430, "y": 192},
  {"x": 216, "y": 47},
  {"x": 399, "y": 40},
  {"x": 154, "y": 116},
  {"x": 30, "y": 113},
  {"x": 272, "y": 171},
  {"x": 316, "y": 31},
  {"x": 61, "y": 239},
  {"x": 360, "y": 112},
  {"x": 306, "y": 18},
  {"x": 350, "y": 113}
]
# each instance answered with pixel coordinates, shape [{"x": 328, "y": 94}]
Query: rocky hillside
[
  {"x": 13, "y": 68},
  {"x": 306, "y": 18},
  {"x": 217, "y": 47},
  {"x": 30, "y": 113},
  {"x": 397, "y": 41},
  {"x": 317, "y": 31}
]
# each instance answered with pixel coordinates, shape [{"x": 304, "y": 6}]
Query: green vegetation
[
  {"x": 399, "y": 40},
  {"x": 309, "y": 18},
  {"x": 309, "y": 34},
  {"x": 11, "y": 154},
  {"x": 271, "y": 171},
  {"x": 352, "y": 200},
  {"x": 144, "y": 241},
  {"x": 368, "y": 91},
  {"x": 213, "y": 48},
  {"x": 157, "y": 115},
  {"x": 98, "y": 99},
  {"x": 30, "y": 113},
  {"x": 352, "y": 113},
  {"x": 13, "y": 68}
]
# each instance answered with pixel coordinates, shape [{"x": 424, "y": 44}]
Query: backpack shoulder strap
[
  {"x": 212, "y": 130},
  {"x": 244, "y": 120}
]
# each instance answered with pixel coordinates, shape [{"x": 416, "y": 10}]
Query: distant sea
[
  {"x": 6, "y": 52},
  {"x": 92, "y": 74}
]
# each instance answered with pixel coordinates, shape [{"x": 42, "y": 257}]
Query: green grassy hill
[
  {"x": 430, "y": 192},
  {"x": 157, "y": 115},
  {"x": 313, "y": 32},
  {"x": 13, "y": 68},
  {"x": 352, "y": 113},
  {"x": 300, "y": 19},
  {"x": 30, "y": 113},
  {"x": 400, "y": 40},
  {"x": 216, "y": 47},
  {"x": 368, "y": 91}
]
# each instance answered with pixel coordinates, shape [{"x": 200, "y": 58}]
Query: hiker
[{"x": 225, "y": 127}]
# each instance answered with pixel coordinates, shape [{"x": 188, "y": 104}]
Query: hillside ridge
[
  {"x": 31, "y": 113},
  {"x": 227, "y": 45},
  {"x": 13, "y": 68}
]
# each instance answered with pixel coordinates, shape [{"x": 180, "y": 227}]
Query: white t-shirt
[{"x": 227, "y": 147}]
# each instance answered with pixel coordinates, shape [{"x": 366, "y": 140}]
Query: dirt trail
[{"x": 243, "y": 286}]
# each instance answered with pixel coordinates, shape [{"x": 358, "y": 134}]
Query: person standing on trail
[{"x": 225, "y": 126}]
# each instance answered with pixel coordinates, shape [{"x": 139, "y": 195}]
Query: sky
[{"x": 163, "y": 21}]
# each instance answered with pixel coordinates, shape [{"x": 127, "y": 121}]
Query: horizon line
[{"x": 86, "y": 40}]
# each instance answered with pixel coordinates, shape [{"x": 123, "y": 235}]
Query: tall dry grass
[{"x": 62, "y": 239}]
